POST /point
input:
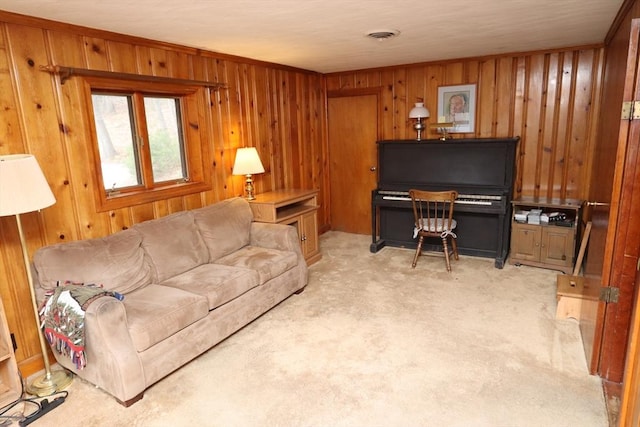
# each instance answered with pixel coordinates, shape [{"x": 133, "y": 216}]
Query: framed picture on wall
[{"x": 457, "y": 105}]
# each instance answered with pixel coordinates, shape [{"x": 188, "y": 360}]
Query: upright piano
[{"x": 480, "y": 170}]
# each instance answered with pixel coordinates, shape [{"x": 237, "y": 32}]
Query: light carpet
[{"x": 373, "y": 342}]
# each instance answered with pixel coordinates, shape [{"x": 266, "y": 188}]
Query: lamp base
[
  {"x": 419, "y": 127},
  {"x": 248, "y": 186},
  {"x": 50, "y": 383}
]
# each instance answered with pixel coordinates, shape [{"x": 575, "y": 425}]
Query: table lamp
[{"x": 248, "y": 163}]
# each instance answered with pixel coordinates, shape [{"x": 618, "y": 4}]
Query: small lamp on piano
[
  {"x": 419, "y": 112},
  {"x": 248, "y": 163},
  {"x": 443, "y": 127}
]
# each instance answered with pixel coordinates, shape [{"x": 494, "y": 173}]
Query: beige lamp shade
[
  {"x": 23, "y": 186},
  {"x": 247, "y": 162}
]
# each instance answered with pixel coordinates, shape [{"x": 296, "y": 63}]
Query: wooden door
[
  {"x": 613, "y": 248},
  {"x": 592, "y": 312},
  {"x": 353, "y": 132}
]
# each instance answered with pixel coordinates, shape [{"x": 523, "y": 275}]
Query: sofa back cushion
[
  {"x": 225, "y": 226},
  {"x": 173, "y": 244},
  {"x": 117, "y": 262}
]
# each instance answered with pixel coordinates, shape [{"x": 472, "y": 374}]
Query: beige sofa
[{"x": 189, "y": 280}]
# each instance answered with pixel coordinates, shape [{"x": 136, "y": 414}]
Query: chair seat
[{"x": 433, "y": 225}]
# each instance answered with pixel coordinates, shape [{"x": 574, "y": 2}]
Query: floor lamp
[{"x": 23, "y": 188}]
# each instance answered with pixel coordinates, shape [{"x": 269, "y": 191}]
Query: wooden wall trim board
[{"x": 546, "y": 98}]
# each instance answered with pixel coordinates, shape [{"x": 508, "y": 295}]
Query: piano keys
[
  {"x": 481, "y": 170},
  {"x": 463, "y": 199}
]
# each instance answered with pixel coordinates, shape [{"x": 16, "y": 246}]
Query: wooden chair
[{"x": 433, "y": 213}]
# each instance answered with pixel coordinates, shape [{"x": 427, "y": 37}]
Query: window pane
[
  {"x": 113, "y": 116},
  {"x": 165, "y": 138}
]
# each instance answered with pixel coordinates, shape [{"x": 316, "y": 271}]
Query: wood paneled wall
[
  {"x": 549, "y": 99},
  {"x": 279, "y": 110}
]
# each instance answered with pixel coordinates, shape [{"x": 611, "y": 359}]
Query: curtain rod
[{"x": 66, "y": 73}]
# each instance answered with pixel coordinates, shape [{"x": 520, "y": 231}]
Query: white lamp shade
[
  {"x": 247, "y": 162},
  {"x": 23, "y": 187},
  {"x": 419, "y": 111}
]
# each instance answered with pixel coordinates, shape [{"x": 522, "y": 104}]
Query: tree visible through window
[{"x": 140, "y": 140}]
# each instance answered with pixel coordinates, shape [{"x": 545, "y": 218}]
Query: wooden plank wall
[
  {"x": 549, "y": 99},
  {"x": 279, "y": 110}
]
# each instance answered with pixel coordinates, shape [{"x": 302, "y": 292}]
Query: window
[
  {"x": 143, "y": 149},
  {"x": 127, "y": 145}
]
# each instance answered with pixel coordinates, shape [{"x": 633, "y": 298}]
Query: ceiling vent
[{"x": 382, "y": 34}]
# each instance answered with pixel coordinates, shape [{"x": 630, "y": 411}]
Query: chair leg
[
  {"x": 445, "y": 247},
  {"x": 454, "y": 244},
  {"x": 418, "y": 250}
]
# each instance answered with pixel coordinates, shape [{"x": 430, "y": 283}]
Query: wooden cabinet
[
  {"x": 546, "y": 244},
  {"x": 10, "y": 386},
  {"x": 293, "y": 207}
]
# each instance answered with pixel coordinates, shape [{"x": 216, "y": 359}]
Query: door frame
[
  {"x": 630, "y": 405},
  {"x": 621, "y": 250}
]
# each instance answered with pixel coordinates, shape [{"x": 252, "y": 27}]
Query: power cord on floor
[{"x": 42, "y": 406}]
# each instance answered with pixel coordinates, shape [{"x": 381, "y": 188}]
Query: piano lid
[{"x": 486, "y": 163}]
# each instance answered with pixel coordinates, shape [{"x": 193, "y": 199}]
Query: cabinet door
[
  {"x": 557, "y": 246},
  {"x": 309, "y": 235},
  {"x": 525, "y": 242}
]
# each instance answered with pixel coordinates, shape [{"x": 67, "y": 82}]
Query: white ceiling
[{"x": 329, "y": 35}]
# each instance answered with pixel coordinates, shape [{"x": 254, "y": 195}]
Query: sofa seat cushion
[
  {"x": 225, "y": 226},
  {"x": 218, "y": 283},
  {"x": 156, "y": 312},
  {"x": 269, "y": 263},
  {"x": 173, "y": 244},
  {"x": 116, "y": 262}
]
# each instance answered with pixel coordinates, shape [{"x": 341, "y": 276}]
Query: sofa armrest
[
  {"x": 282, "y": 237},
  {"x": 112, "y": 361},
  {"x": 275, "y": 236}
]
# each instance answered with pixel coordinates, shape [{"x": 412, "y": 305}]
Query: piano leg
[
  {"x": 376, "y": 244},
  {"x": 503, "y": 239}
]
